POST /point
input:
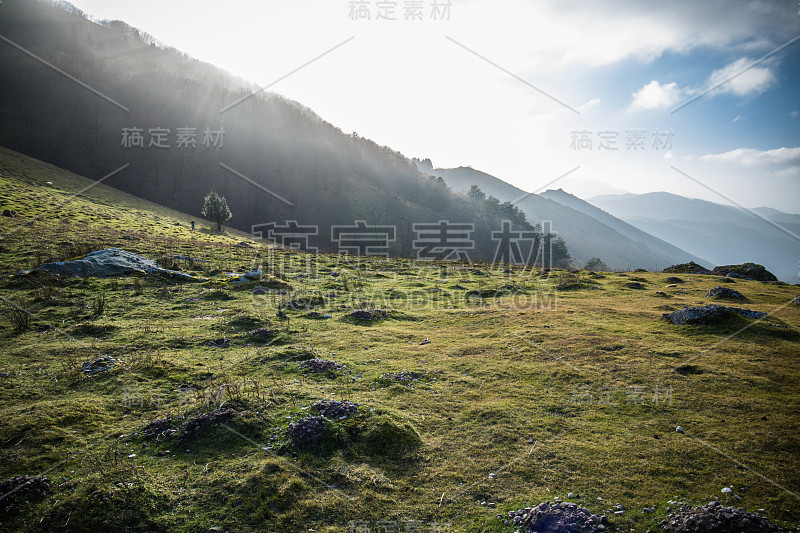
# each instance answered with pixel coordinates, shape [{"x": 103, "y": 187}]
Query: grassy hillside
[{"x": 524, "y": 392}]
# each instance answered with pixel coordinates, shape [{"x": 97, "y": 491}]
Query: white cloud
[
  {"x": 737, "y": 118},
  {"x": 751, "y": 157},
  {"x": 656, "y": 96},
  {"x": 794, "y": 114},
  {"x": 590, "y": 104},
  {"x": 740, "y": 79}
]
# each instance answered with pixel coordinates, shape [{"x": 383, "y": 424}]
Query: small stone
[
  {"x": 570, "y": 495},
  {"x": 679, "y": 429},
  {"x": 727, "y": 490}
]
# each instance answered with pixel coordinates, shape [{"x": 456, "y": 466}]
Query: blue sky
[{"x": 420, "y": 87}]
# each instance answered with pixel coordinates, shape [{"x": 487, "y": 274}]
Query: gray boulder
[
  {"x": 724, "y": 292},
  {"x": 708, "y": 315}
]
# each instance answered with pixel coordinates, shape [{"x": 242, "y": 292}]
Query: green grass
[{"x": 553, "y": 391}]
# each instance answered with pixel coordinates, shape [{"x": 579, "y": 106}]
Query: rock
[
  {"x": 111, "y": 262},
  {"x": 661, "y": 294},
  {"x": 796, "y": 299},
  {"x": 749, "y": 271},
  {"x": 634, "y": 285},
  {"x": 679, "y": 429},
  {"x": 673, "y": 280},
  {"x": 727, "y": 490},
  {"x": 724, "y": 292},
  {"x": 101, "y": 364},
  {"x": 708, "y": 314},
  {"x": 687, "y": 268},
  {"x": 8, "y": 213},
  {"x": 247, "y": 277}
]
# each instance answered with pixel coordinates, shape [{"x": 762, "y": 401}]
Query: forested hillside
[{"x": 105, "y": 98}]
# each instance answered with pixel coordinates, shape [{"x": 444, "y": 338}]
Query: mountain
[
  {"x": 722, "y": 234},
  {"x": 624, "y": 228},
  {"x": 151, "y": 121},
  {"x": 586, "y": 237}
]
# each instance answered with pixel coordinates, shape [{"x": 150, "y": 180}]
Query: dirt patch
[
  {"x": 401, "y": 377},
  {"x": 634, "y": 285},
  {"x": 263, "y": 334},
  {"x": 306, "y": 432},
  {"x": 26, "y": 487},
  {"x": 333, "y": 409},
  {"x": 223, "y": 342},
  {"x": 321, "y": 365},
  {"x": 556, "y": 517},
  {"x": 367, "y": 315},
  {"x": 161, "y": 427},
  {"x": 686, "y": 370},
  {"x": 716, "y": 518},
  {"x": 195, "y": 427}
]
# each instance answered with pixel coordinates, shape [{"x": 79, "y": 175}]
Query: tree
[
  {"x": 596, "y": 264},
  {"x": 215, "y": 207},
  {"x": 475, "y": 193}
]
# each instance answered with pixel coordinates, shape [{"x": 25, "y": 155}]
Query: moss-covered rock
[{"x": 751, "y": 271}]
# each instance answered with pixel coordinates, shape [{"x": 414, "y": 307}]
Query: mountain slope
[
  {"x": 586, "y": 237},
  {"x": 668, "y": 250},
  {"x": 722, "y": 234},
  {"x": 60, "y": 215},
  {"x": 168, "y": 128}
]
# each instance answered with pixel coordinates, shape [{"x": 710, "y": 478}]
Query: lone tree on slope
[
  {"x": 597, "y": 264},
  {"x": 215, "y": 208}
]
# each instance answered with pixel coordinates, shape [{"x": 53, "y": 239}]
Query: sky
[{"x": 697, "y": 98}]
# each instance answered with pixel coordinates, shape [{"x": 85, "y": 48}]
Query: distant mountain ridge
[
  {"x": 720, "y": 233},
  {"x": 586, "y": 236},
  {"x": 624, "y": 228}
]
